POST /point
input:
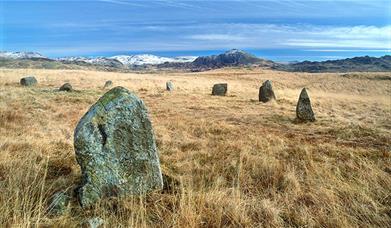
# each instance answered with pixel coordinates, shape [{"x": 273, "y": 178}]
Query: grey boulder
[
  {"x": 304, "y": 111},
  {"x": 266, "y": 92},
  {"x": 220, "y": 89},
  {"x": 28, "y": 81},
  {"x": 66, "y": 87},
  {"x": 169, "y": 86},
  {"x": 116, "y": 149}
]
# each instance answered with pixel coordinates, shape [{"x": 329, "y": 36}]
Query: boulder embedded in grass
[
  {"x": 28, "y": 81},
  {"x": 66, "y": 87},
  {"x": 220, "y": 89}
]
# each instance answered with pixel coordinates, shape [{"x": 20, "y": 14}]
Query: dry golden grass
[{"x": 239, "y": 162}]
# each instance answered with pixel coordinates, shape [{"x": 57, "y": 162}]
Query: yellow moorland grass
[{"x": 239, "y": 162}]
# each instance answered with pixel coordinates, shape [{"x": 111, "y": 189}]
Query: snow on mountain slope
[
  {"x": 20, "y": 55},
  {"x": 150, "y": 59},
  {"x": 142, "y": 59}
]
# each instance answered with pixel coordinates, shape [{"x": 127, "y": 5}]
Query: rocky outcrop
[{"x": 116, "y": 149}]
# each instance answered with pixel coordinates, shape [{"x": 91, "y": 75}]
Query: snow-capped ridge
[
  {"x": 145, "y": 59},
  {"x": 20, "y": 55}
]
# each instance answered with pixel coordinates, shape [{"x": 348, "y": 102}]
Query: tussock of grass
[{"x": 231, "y": 160}]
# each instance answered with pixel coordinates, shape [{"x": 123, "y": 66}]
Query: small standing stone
[
  {"x": 220, "y": 89},
  {"x": 108, "y": 84},
  {"x": 66, "y": 87},
  {"x": 116, "y": 149},
  {"x": 28, "y": 81},
  {"x": 169, "y": 86},
  {"x": 266, "y": 92},
  {"x": 304, "y": 111}
]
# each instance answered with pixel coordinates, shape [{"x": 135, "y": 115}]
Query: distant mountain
[
  {"x": 128, "y": 60},
  {"x": 21, "y": 55},
  {"x": 364, "y": 63},
  {"x": 147, "y": 59},
  {"x": 232, "y": 57},
  {"x": 101, "y": 61}
]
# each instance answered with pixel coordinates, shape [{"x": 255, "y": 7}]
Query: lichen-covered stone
[
  {"x": 28, "y": 81},
  {"x": 220, "y": 89},
  {"x": 304, "y": 111},
  {"x": 116, "y": 149},
  {"x": 266, "y": 92},
  {"x": 169, "y": 86},
  {"x": 58, "y": 203},
  {"x": 108, "y": 84},
  {"x": 66, "y": 87}
]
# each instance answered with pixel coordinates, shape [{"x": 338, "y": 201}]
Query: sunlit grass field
[{"x": 238, "y": 162}]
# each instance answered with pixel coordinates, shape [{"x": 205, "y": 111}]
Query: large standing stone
[
  {"x": 304, "y": 111},
  {"x": 169, "y": 86},
  {"x": 220, "y": 89},
  {"x": 116, "y": 149},
  {"x": 266, "y": 92},
  {"x": 66, "y": 87},
  {"x": 28, "y": 81},
  {"x": 108, "y": 84}
]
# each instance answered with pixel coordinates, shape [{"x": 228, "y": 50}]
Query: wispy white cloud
[
  {"x": 218, "y": 37},
  {"x": 123, "y": 2},
  {"x": 275, "y": 36}
]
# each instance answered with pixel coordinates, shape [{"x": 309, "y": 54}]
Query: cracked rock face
[
  {"x": 116, "y": 149},
  {"x": 266, "y": 92},
  {"x": 304, "y": 111}
]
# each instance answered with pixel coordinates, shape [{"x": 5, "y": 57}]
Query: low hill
[{"x": 356, "y": 64}]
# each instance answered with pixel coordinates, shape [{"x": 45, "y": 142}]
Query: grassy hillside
[{"x": 239, "y": 162}]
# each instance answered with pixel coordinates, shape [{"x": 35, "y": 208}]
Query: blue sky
[{"x": 277, "y": 29}]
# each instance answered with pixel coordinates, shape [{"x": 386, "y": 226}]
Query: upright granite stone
[
  {"x": 169, "y": 86},
  {"x": 266, "y": 92},
  {"x": 116, "y": 149},
  {"x": 66, "y": 87},
  {"x": 28, "y": 81},
  {"x": 108, "y": 84},
  {"x": 304, "y": 111},
  {"x": 220, "y": 89}
]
